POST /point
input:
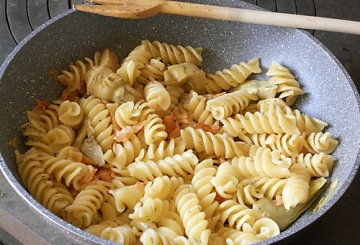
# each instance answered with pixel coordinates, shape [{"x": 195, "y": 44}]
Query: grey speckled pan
[{"x": 330, "y": 93}]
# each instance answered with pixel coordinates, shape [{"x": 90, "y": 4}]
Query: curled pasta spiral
[
  {"x": 266, "y": 228},
  {"x": 126, "y": 197},
  {"x": 319, "y": 165},
  {"x": 60, "y": 136},
  {"x": 265, "y": 163},
  {"x": 205, "y": 190},
  {"x": 213, "y": 144},
  {"x": 154, "y": 129},
  {"x": 156, "y": 152},
  {"x": 98, "y": 228},
  {"x": 288, "y": 145},
  {"x": 130, "y": 113},
  {"x": 320, "y": 142},
  {"x": 163, "y": 187},
  {"x": 130, "y": 67},
  {"x": 195, "y": 105},
  {"x": 228, "y": 104},
  {"x": 172, "y": 221},
  {"x": 236, "y": 237},
  {"x": 188, "y": 206},
  {"x": 65, "y": 170},
  {"x": 122, "y": 234},
  {"x": 152, "y": 237},
  {"x": 150, "y": 209},
  {"x": 177, "y": 165},
  {"x": 39, "y": 184},
  {"x": 87, "y": 203},
  {"x": 170, "y": 54},
  {"x": 274, "y": 121},
  {"x": 73, "y": 77},
  {"x": 226, "y": 180},
  {"x": 100, "y": 120},
  {"x": 50, "y": 118},
  {"x": 122, "y": 154},
  {"x": 228, "y": 78},
  {"x": 36, "y": 136},
  {"x": 70, "y": 114},
  {"x": 237, "y": 214},
  {"x": 153, "y": 70},
  {"x": 288, "y": 87},
  {"x": 296, "y": 189},
  {"x": 157, "y": 96}
]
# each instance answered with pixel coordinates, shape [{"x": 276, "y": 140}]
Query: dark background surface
[{"x": 340, "y": 225}]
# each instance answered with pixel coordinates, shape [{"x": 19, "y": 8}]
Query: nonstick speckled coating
[{"x": 330, "y": 92}]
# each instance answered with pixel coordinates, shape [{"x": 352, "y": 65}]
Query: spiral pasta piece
[
  {"x": 153, "y": 70},
  {"x": 70, "y": 114},
  {"x": 236, "y": 237},
  {"x": 264, "y": 163},
  {"x": 228, "y": 78},
  {"x": 226, "y": 180},
  {"x": 152, "y": 237},
  {"x": 126, "y": 197},
  {"x": 177, "y": 165},
  {"x": 50, "y": 118},
  {"x": 60, "y": 137},
  {"x": 100, "y": 227},
  {"x": 205, "y": 190},
  {"x": 213, "y": 144},
  {"x": 228, "y": 104},
  {"x": 157, "y": 96},
  {"x": 170, "y": 54},
  {"x": 163, "y": 187},
  {"x": 173, "y": 222},
  {"x": 188, "y": 206},
  {"x": 122, "y": 154},
  {"x": 288, "y": 145},
  {"x": 319, "y": 165},
  {"x": 296, "y": 189},
  {"x": 87, "y": 203},
  {"x": 156, "y": 152},
  {"x": 100, "y": 120},
  {"x": 237, "y": 215},
  {"x": 65, "y": 170},
  {"x": 320, "y": 142},
  {"x": 195, "y": 105},
  {"x": 130, "y": 67},
  {"x": 288, "y": 88},
  {"x": 122, "y": 234},
  {"x": 40, "y": 186},
  {"x": 274, "y": 121},
  {"x": 150, "y": 209},
  {"x": 75, "y": 75},
  {"x": 130, "y": 113}
]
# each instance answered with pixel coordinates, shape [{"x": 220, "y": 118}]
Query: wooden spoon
[{"x": 136, "y": 9}]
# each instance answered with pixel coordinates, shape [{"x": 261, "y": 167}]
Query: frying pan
[{"x": 330, "y": 94}]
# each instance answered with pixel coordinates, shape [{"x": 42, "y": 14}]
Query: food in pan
[{"x": 153, "y": 149}]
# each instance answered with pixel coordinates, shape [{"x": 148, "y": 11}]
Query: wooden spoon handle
[{"x": 260, "y": 17}]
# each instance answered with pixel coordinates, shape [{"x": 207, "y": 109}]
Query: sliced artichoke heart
[{"x": 263, "y": 89}]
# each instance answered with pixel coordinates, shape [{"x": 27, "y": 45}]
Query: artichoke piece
[
  {"x": 105, "y": 84},
  {"x": 109, "y": 59},
  {"x": 186, "y": 74},
  {"x": 91, "y": 148},
  {"x": 285, "y": 217},
  {"x": 263, "y": 89}
]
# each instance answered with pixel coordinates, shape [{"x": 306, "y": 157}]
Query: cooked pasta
[{"x": 156, "y": 150}]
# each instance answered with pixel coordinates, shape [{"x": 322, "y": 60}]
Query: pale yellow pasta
[
  {"x": 320, "y": 142},
  {"x": 157, "y": 96},
  {"x": 157, "y": 150},
  {"x": 229, "y": 78},
  {"x": 288, "y": 145},
  {"x": 228, "y": 104},
  {"x": 288, "y": 88},
  {"x": 70, "y": 114},
  {"x": 170, "y": 54},
  {"x": 296, "y": 189},
  {"x": 188, "y": 206},
  {"x": 264, "y": 163}
]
